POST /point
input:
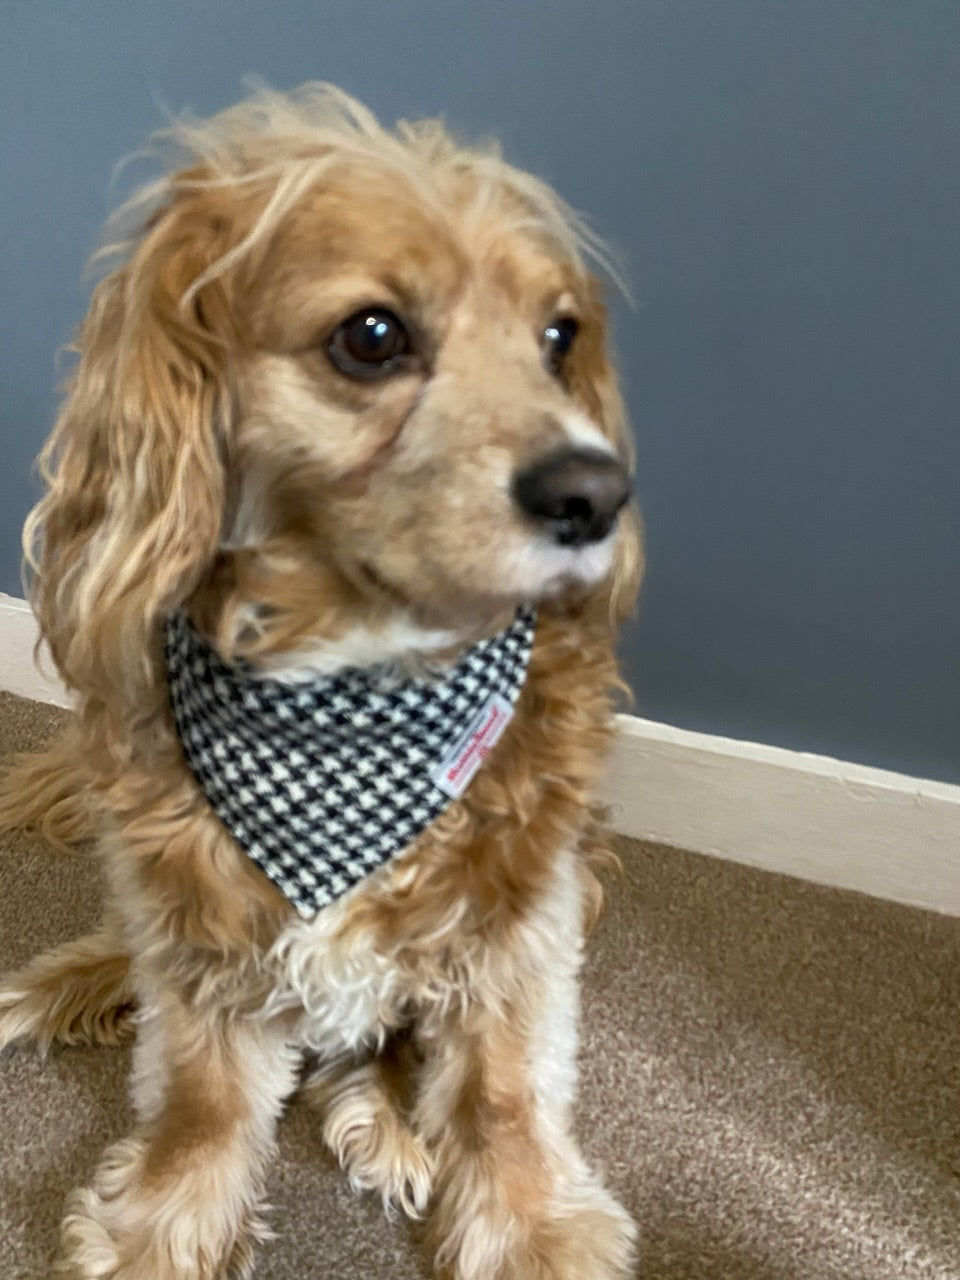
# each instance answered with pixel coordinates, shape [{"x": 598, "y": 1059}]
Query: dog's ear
[
  {"x": 593, "y": 382},
  {"x": 134, "y": 468}
]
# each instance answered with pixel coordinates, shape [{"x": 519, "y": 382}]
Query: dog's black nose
[{"x": 573, "y": 493}]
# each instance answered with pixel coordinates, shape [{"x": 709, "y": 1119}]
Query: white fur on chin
[{"x": 399, "y": 641}]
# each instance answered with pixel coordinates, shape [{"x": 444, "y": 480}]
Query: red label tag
[{"x": 452, "y": 775}]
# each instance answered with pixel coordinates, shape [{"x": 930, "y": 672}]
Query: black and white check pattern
[{"x": 322, "y": 782}]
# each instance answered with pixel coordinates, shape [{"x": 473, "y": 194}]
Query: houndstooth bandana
[{"x": 322, "y": 782}]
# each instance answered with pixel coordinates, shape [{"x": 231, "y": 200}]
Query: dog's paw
[
  {"x": 586, "y": 1236},
  {"x": 92, "y": 1235},
  {"x": 17, "y": 1023},
  {"x": 114, "y": 1231},
  {"x": 397, "y": 1168},
  {"x": 593, "y": 1239},
  {"x": 78, "y": 994},
  {"x": 91, "y": 1251},
  {"x": 366, "y": 1130},
  {"x": 87, "y": 1251},
  {"x": 380, "y": 1153}
]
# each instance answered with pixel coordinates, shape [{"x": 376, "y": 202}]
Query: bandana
[{"x": 322, "y": 782}]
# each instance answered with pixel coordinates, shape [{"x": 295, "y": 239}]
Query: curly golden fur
[{"x": 209, "y": 456}]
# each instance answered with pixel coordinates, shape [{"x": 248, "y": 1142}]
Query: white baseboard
[
  {"x": 829, "y": 821},
  {"x": 824, "y": 820},
  {"x": 19, "y": 670}
]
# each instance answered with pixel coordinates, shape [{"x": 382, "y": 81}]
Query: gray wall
[{"x": 783, "y": 179}]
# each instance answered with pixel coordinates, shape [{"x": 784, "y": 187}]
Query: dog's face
[
  {"x": 344, "y": 379},
  {"x": 409, "y": 362}
]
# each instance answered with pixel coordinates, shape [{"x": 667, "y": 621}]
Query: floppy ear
[
  {"x": 134, "y": 468},
  {"x": 593, "y": 382}
]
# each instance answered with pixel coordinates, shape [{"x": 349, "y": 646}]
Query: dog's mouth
[
  {"x": 555, "y": 538},
  {"x": 546, "y": 571},
  {"x": 531, "y": 570}
]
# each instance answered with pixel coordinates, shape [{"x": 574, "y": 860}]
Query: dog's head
[{"x": 347, "y": 385}]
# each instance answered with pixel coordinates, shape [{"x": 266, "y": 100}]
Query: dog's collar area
[{"x": 322, "y": 782}]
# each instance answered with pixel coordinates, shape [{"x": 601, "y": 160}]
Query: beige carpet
[{"x": 771, "y": 1080}]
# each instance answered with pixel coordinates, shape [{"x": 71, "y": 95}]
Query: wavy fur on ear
[{"x": 135, "y": 480}]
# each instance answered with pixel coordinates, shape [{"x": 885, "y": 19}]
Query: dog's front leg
[
  {"x": 514, "y": 1198},
  {"x": 177, "y": 1200}
]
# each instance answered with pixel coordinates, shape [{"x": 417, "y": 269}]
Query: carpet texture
[{"x": 770, "y": 1079}]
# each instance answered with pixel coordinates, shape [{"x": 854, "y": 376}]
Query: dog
[{"x": 342, "y": 418}]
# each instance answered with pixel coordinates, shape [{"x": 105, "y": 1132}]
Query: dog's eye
[
  {"x": 557, "y": 340},
  {"x": 370, "y": 344}
]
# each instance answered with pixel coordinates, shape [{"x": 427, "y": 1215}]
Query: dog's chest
[
  {"x": 396, "y": 943},
  {"x": 341, "y": 985},
  {"x": 349, "y": 983}
]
